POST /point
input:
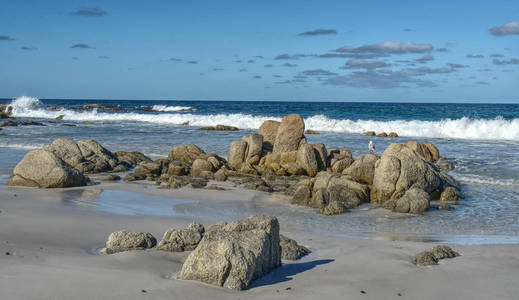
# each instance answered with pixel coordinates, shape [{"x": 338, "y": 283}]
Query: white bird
[{"x": 371, "y": 147}]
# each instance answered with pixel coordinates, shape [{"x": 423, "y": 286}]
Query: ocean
[{"x": 481, "y": 140}]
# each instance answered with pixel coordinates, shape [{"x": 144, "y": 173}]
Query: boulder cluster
[
  {"x": 64, "y": 162},
  {"x": 276, "y": 159},
  {"x": 429, "y": 258},
  {"x": 226, "y": 254}
]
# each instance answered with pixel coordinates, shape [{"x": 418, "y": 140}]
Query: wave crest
[
  {"x": 165, "y": 108},
  {"x": 463, "y": 128}
]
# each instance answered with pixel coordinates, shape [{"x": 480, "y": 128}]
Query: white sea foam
[
  {"x": 463, "y": 128},
  {"x": 21, "y": 146},
  {"x": 484, "y": 180},
  {"x": 165, "y": 108}
]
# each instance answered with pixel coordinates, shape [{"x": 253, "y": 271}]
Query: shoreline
[{"x": 49, "y": 245}]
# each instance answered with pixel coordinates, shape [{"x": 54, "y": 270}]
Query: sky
[{"x": 397, "y": 51}]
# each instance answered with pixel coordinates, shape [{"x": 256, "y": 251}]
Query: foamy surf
[
  {"x": 462, "y": 128},
  {"x": 166, "y": 108}
]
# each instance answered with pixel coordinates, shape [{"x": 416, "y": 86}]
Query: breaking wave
[
  {"x": 165, "y": 108},
  {"x": 463, "y": 128}
]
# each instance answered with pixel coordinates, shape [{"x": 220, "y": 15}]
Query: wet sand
[{"x": 48, "y": 250}]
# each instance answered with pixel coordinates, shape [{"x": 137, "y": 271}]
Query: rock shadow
[{"x": 286, "y": 271}]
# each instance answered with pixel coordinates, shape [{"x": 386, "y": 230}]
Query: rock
[
  {"x": 290, "y": 249},
  {"x": 435, "y": 153},
  {"x": 112, "y": 177},
  {"x": 321, "y": 154},
  {"x": 254, "y": 148},
  {"x": 393, "y": 134},
  {"x": 148, "y": 169},
  {"x": 88, "y": 156},
  {"x": 125, "y": 240},
  {"x": 289, "y": 134},
  {"x": 307, "y": 160},
  {"x": 340, "y": 165},
  {"x": 201, "y": 165},
  {"x": 232, "y": 255},
  {"x": 420, "y": 149},
  {"x": 220, "y": 128},
  {"x": 350, "y": 193},
  {"x": 370, "y": 133},
  {"x": 185, "y": 123},
  {"x": 310, "y": 131},
  {"x": 176, "y": 182},
  {"x": 363, "y": 168},
  {"x": 44, "y": 169},
  {"x": 9, "y": 123},
  {"x": 414, "y": 201},
  {"x": 177, "y": 168},
  {"x": 182, "y": 240},
  {"x": 428, "y": 258},
  {"x": 382, "y": 134},
  {"x": 444, "y": 206},
  {"x": 425, "y": 258},
  {"x": 132, "y": 158},
  {"x": 33, "y": 123},
  {"x": 133, "y": 177},
  {"x": 120, "y": 168},
  {"x": 269, "y": 130},
  {"x": 333, "y": 208},
  {"x": 302, "y": 196},
  {"x": 400, "y": 169},
  {"x": 237, "y": 153},
  {"x": 450, "y": 194},
  {"x": 220, "y": 175},
  {"x": 442, "y": 252},
  {"x": 185, "y": 153},
  {"x": 446, "y": 166}
]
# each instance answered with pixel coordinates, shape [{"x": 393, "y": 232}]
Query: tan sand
[{"x": 52, "y": 255}]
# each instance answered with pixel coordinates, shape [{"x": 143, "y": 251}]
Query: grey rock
[
  {"x": 232, "y": 255},
  {"x": 125, "y": 240},
  {"x": 291, "y": 250},
  {"x": 44, "y": 169},
  {"x": 182, "y": 240},
  {"x": 289, "y": 134}
]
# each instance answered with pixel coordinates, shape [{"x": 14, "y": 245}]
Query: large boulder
[
  {"x": 254, "y": 148},
  {"x": 44, "y": 169},
  {"x": 88, "y": 156},
  {"x": 237, "y": 153},
  {"x": 269, "y": 131},
  {"x": 426, "y": 150},
  {"x": 289, "y": 134},
  {"x": 400, "y": 169},
  {"x": 200, "y": 166},
  {"x": 185, "y": 153},
  {"x": 331, "y": 193},
  {"x": 307, "y": 159},
  {"x": 232, "y": 255},
  {"x": 362, "y": 168},
  {"x": 125, "y": 240},
  {"x": 182, "y": 240}
]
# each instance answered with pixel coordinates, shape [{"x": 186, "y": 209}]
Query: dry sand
[{"x": 48, "y": 251}]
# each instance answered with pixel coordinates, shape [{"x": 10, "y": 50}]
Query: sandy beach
[{"x": 52, "y": 248}]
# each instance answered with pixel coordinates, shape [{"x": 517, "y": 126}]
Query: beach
[
  {"x": 53, "y": 248},
  {"x": 361, "y": 246}
]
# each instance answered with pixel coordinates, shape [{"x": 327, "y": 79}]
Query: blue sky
[{"x": 418, "y": 51}]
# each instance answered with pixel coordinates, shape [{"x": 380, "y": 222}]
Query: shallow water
[
  {"x": 482, "y": 141},
  {"x": 364, "y": 222}
]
